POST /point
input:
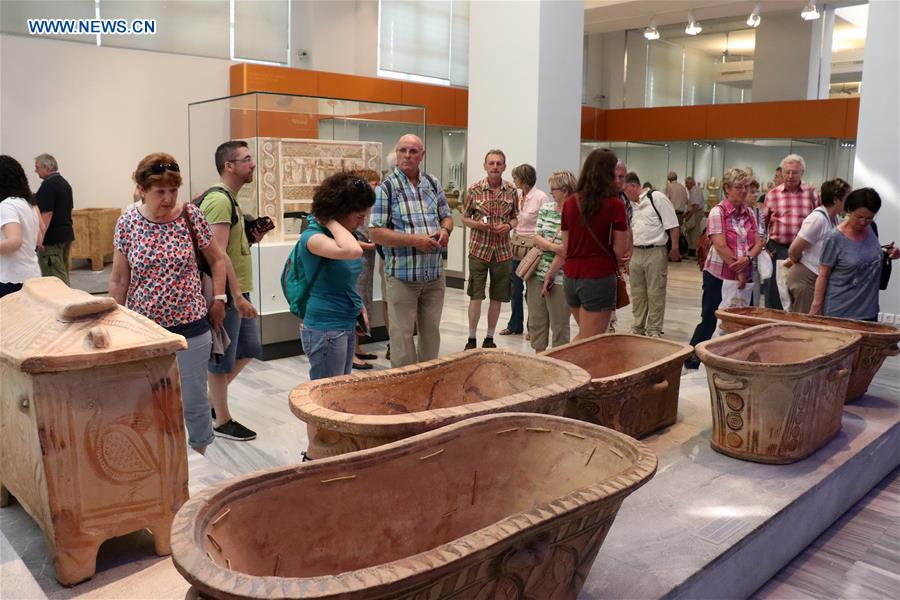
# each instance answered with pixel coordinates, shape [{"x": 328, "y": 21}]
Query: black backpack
[
  {"x": 682, "y": 239},
  {"x": 219, "y": 188}
]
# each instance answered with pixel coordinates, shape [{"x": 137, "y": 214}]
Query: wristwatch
[
  {"x": 222, "y": 297},
  {"x": 447, "y": 230}
]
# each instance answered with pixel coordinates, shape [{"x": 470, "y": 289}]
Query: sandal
[
  {"x": 362, "y": 366},
  {"x": 508, "y": 331},
  {"x": 365, "y": 356}
]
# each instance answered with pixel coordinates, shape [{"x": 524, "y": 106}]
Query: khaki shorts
[{"x": 501, "y": 274}]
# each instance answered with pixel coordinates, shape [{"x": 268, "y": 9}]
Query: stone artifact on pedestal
[
  {"x": 879, "y": 341},
  {"x": 712, "y": 188},
  {"x": 777, "y": 390},
  {"x": 352, "y": 412},
  {"x": 94, "y": 229},
  {"x": 635, "y": 381},
  {"x": 91, "y": 428},
  {"x": 500, "y": 506}
]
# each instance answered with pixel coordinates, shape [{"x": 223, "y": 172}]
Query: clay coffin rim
[
  {"x": 675, "y": 350},
  {"x": 751, "y": 315},
  {"x": 715, "y": 351},
  {"x": 303, "y": 402},
  {"x": 196, "y": 517}
]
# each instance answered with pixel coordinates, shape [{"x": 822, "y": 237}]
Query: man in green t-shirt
[{"x": 235, "y": 166}]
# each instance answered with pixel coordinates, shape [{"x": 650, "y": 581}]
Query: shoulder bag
[
  {"x": 529, "y": 263},
  {"x": 622, "y": 299}
]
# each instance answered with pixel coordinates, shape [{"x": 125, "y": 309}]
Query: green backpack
[{"x": 294, "y": 284}]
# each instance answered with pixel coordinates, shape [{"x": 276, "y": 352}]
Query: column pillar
[
  {"x": 525, "y": 78},
  {"x": 877, "y": 163}
]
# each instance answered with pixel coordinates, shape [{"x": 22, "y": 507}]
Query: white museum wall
[
  {"x": 339, "y": 36},
  {"x": 99, "y": 110},
  {"x": 877, "y": 161}
]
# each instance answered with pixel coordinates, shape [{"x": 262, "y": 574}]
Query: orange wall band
[{"x": 448, "y": 106}]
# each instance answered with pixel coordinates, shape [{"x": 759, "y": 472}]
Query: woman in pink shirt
[
  {"x": 530, "y": 202},
  {"x": 733, "y": 231}
]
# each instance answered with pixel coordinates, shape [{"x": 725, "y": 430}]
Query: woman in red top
[{"x": 595, "y": 240}]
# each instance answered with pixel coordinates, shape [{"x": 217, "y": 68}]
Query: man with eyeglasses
[
  {"x": 785, "y": 208},
  {"x": 411, "y": 220},
  {"x": 54, "y": 199},
  {"x": 219, "y": 205}
]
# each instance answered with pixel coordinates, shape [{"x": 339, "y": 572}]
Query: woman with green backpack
[{"x": 331, "y": 259}]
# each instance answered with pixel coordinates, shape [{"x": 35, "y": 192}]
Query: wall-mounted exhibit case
[
  {"x": 826, "y": 158},
  {"x": 296, "y": 142}
]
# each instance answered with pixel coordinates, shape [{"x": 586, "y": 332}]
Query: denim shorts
[
  {"x": 244, "y": 336},
  {"x": 330, "y": 351},
  {"x": 594, "y": 294}
]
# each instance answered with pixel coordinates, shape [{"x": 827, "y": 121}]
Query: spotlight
[
  {"x": 753, "y": 20},
  {"x": 651, "y": 33},
  {"x": 693, "y": 27},
  {"x": 810, "y": 12}
]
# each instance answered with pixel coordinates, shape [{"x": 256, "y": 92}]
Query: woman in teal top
[{"x": 331, "y": 259}]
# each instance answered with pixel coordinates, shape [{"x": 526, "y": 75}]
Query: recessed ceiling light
[{"x": 651, "y": 33}]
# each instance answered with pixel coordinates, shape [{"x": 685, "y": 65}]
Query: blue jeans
[
  {"x": 192, "y": 372},
  {"x": 517, "y": 314},
  {"x": 330, "y": 351},
  {"x": 712, "y": 298}
]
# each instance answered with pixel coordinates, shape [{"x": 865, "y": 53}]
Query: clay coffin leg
[
  {"x": 76, "y": 560},
  {"x": 162, "y": 533}
]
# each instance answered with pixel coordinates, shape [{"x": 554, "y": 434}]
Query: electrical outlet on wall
[{"x": 888, "y": 318}]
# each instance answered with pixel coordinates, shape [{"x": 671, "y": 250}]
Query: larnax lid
[{"x": 48, "y": 327}]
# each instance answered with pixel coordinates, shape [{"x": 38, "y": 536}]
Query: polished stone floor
[{"x": 127, "y": 567}]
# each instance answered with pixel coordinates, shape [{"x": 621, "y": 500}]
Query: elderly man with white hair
[{"x": 785, "y": 208}]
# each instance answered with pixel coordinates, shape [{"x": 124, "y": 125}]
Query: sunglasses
[{"x": 160, "y": 168}]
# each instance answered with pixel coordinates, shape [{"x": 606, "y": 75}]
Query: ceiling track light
[
  {"x": 753, "y": 20},
  {"x": 693, "y": 27},
  {"x": 810, "y": 12},
  {"x": 651, "y": 33}
]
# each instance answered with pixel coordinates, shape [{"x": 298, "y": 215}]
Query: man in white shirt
[
  {"x": 653, "y": 223},
  {"x": 677, "y": 195}
]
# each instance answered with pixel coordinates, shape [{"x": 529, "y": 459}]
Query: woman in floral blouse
[{"x": 155, "y": 274}]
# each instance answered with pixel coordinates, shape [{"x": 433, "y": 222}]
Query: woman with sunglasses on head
[
  {"x": 155, "y": 273},
  {"x": 20, "y": 228},
  {"x": 850, "y": 264},
  {"x": 331, "y": 258}
]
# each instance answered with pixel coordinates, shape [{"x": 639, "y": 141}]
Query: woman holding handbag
[
  {"x": 595, "y": 242},
  {"x": 155, "y": 273},
  {"x": 547, "y": 309},
  {"x": 531, "y": 200}
]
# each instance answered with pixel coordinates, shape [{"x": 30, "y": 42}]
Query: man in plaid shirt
[
  {"x": 490, "y": 213},
  {"x": 412, "y": 222},
  {"x": 786, "y": 207}
]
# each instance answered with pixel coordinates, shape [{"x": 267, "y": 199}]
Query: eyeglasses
[
  {"x": 246, "y": 159},
  {"x": 553, "y": 189},
  {"x": 410, "y": 151},
  {"x": 160, "y": 168}
]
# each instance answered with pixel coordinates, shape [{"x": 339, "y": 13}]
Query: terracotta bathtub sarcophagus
[
  {"x": 777, "y": 390},
  {"x": 635, "y": 381},
  {"x": 91, "y": 427},
  {"x": 353, "y": 412},
  {"x": 878, "y": 340},
  {"x": 501, "y": 506}
]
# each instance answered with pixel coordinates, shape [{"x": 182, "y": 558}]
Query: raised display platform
[{"x": 707, "y": 526}]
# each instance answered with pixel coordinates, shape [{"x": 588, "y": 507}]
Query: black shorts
[{"x": 595, "y": 294}]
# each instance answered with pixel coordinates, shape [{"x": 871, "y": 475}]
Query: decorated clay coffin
[
  {"x": 635, "y": 381},
  {"x": 777, "y": 390},
  {"x": 512, "y": 505},
  {"x": 352, "y": 412},
  {"x": 91, "y": 428},
  {"x": 878, "y": 340}
]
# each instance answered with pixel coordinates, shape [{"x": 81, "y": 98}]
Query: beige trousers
[
  {"x": 801, "y": 284},
  {"x": 649, "y": 271},
  {"x": 546, "y": 314},
  {"x": 410, "y": 303}
]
